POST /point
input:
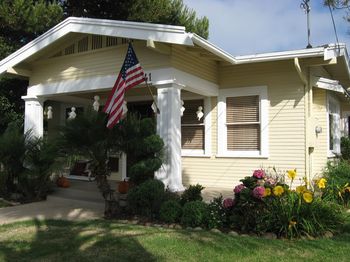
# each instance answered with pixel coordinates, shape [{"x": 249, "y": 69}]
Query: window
[
  {"x": 192, "y": 128},
  {"x": 333, "y": 126},
  {"x": 242, "y": 122}
]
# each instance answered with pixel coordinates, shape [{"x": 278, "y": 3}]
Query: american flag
[{"x": 130, "y": 75}]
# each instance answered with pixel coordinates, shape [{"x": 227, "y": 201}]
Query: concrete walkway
[
  {"x": 65, "y": 203},
  {"x": 53, "y": 208},
  {"x": 80, "y": 201}
]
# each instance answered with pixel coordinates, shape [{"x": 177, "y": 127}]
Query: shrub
[
  {"x": 193, "y": 193},
  {"x": 267, "y": 204},
  {"x": 146, "y": 199},
  {"x": 338, "y": 182},
  {"x": 345, "y": 147},
  {"x": 170, "y": 211},
  {"x": 216, "y": 215},
  {"x": 27, "y": 163},
  {"x": 35, "y": 182},
  {"x": 194, "y": 214}
]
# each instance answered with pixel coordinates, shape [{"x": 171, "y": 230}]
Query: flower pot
[{"x": 123, "y": 187}]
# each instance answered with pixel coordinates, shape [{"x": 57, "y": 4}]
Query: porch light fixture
[
  {"x": 182, "y": 108},
  {"x": 49, "y": 112},
  {"x": 72, "y": 114},
  {"x": 154, "y": 105},
  {"x": 200, "y": 113},
  {"x": 125, "y": 108},
  {"x": 318, "y": 130},
  {"x": 96, "y": 104}
]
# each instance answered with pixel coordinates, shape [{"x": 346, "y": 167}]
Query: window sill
[
  {"x": 242, "y": 156},
  {"x": 332, "y": 154},
  {"x": 194, "y": 153}
]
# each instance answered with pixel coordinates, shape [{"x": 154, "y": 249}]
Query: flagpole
[{"x": 154, "y": 100}]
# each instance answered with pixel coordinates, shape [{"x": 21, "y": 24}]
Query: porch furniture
[{"x": 81, "y": 171}]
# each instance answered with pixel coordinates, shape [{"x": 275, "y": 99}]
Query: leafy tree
[
  {"x": 20, "y": 22},
  {"x": 173, "y": 12},
  {"x": 23, "y": 20},
  {"x": 337, "y": 3}
]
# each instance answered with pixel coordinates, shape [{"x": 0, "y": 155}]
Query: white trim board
[
  {"x": 132, "y": 30},
  {"x": 328, "y": 84},
  {"x": 159, "y": 77},
  {"x": 157, "y": 33}
]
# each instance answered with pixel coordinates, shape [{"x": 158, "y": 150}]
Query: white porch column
[
  {"x": 34, "y": 115},
  {"x": 169, "y": 129}
]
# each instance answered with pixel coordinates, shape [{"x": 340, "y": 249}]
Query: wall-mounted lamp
[
  {"x": 96, "y": 104},
  {"x": 182, "y": 108},
  {"x": 318, "y": 130},
  {"x": 72, "y": 114},
  {"x": 200, "y": 113},
  {"x": 49, "y": 112}
]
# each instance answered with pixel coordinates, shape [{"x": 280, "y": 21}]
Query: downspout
[{"x": 307, "y": 114}]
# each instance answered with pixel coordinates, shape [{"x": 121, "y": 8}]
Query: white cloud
[{"x": 255, "y": 26}]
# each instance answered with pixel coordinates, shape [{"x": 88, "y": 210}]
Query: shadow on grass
[{"x": 56, "y": 240}]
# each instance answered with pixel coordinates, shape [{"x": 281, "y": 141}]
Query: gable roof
[
  {"x": 159, "y": 33},
  {"x": 132, "y": 30}
]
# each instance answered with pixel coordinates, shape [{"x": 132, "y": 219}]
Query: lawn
[{"x": 101, "y": 240}]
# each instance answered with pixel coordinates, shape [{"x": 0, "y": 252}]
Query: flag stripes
[{"x": 130, "y": 75}]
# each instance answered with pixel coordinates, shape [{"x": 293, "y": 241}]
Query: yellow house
[{"x": 221, "y": 116}]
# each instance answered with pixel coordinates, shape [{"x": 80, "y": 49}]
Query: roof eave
[{"x": 125, "y": 29}]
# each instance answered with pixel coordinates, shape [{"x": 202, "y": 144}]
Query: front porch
[{"x": 47, "y": 108}]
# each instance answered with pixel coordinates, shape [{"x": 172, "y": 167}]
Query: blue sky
[{"x": 256, "y": 26}]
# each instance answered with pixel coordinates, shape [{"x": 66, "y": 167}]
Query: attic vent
[
  {"x": 57, "y": 54},
  {"x": 96, "y": 42},
  {"x": 83, "y": 45},
  {"x": 125, "y": 41},
  {"x": 111, "y": 41},
  {"x": 69, "y": 50}
]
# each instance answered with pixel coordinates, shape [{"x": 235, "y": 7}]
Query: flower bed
[{"x": 264, "y": 202}]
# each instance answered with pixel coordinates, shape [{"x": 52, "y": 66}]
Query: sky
[{"x": 243, "y": 27}]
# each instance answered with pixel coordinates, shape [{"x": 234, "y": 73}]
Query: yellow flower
[
  {"x": 308, "y": 197},
  {"x": 292, "y": 224},
  {"x": 267, "y": 192},
  {"x": 322, "y": 183},
  {"x": 301, "y": 189},
  {"x": 278, "y": 190},
  {"x": 292, "y": 173}
]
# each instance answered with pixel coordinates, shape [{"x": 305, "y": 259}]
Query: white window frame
[
  {"x": 336, "y": 145},
  {"x": 261, "y": 91},
  {"x": 207, "y": 130}
]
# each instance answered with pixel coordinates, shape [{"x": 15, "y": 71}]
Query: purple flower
[
  {"x": 258, "y": 192},
  {"x": 259, "y": 174},
  {"x": 238, "y": 188},
  {"x": 228, "y": 203}
]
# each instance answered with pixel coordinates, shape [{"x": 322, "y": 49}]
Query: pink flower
[
  {"x": 258, "y": 192},
  {"x": 228, "y": 203},
  {"x": 259, "y": 173},
  {"x": 271, "y": 181},
  {"x": 238, "y": 188}
]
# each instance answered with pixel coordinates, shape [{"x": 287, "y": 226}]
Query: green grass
[{"x": 101, "y": 240}]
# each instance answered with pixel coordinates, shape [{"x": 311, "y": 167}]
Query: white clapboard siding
[{"x": 286, "y": 127}]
